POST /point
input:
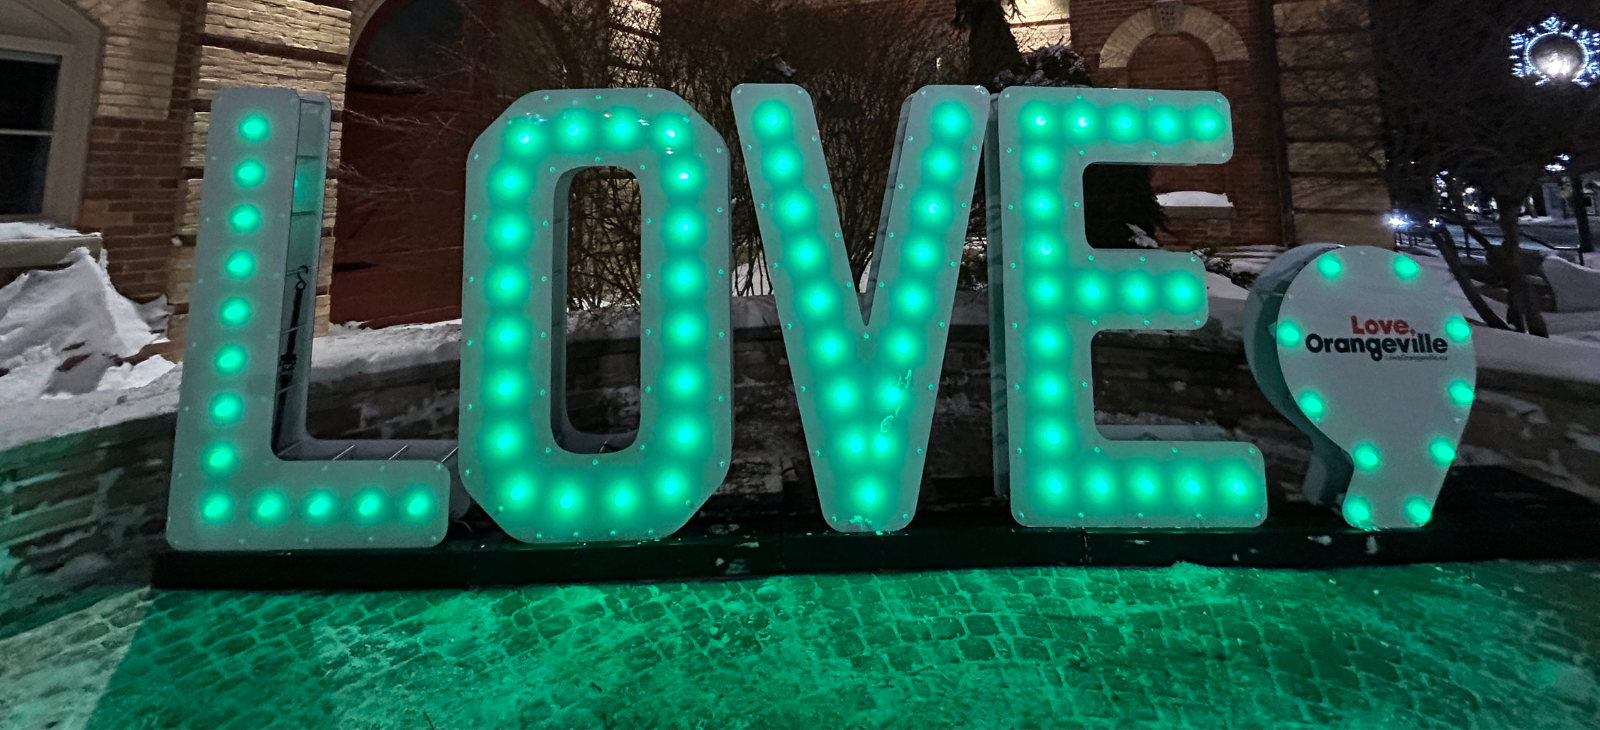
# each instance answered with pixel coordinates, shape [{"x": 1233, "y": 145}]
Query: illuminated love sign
[
  {"x": 246, "y": 475},
  {"x": 1361, "y": 349}
]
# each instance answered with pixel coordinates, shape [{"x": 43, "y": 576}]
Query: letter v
[{"x": 866, "y": 390}]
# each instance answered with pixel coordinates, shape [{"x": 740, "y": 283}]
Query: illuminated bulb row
[
  {"x": 270, "y": 507},
  {"x": 1080, "y": 122},
  {"x": 1099, "y": 486},
  {"x": 226, "y": 408},
  {"x": 1358, "y": 511}
]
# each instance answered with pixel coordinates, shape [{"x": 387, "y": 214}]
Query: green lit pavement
[{"x": 1482, "y": 645}]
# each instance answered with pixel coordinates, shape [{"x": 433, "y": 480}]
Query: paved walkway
[{"x": 1486, "y": 645}]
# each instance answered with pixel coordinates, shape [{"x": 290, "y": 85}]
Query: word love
[
  {"x": 247, "y": 477},
  {"x": 1379, "y": 326}
]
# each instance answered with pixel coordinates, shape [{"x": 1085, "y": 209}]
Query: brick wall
[
  {"x": 162, "y": 62},
  {"x": 1224, "y": 45},
  {"x": 1331, "y": 122}
]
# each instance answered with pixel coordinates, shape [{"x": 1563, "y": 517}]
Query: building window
[
  {"x": 27, "y": 122},
  {"x": 48, "y": 58}
]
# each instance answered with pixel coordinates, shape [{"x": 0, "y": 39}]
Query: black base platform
[{"x": 1485, "y": 513}]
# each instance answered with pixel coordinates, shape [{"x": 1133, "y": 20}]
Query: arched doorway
[
  {"x": 426, "y": 77},
  {"x": 1184, "y": 63}
]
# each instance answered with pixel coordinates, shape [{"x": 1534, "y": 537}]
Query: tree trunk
[
  {"x": 1517, "y": 288},
  {"x": 1580, "y": 210},
  {"x": 990, "y": 46},
  {"x": 1452, "y": 259}
]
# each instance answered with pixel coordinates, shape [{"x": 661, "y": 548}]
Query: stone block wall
[{"x": 89, "y": 505}]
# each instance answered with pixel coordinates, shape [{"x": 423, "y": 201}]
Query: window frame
[{"x": 76, "y": 90}]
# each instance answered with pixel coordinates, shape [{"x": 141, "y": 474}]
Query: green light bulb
[
  {"x": 215, "y": 508},
  {"x": 230, "y": 359},
  {"x": 234, "y": 311},
  {"x": 368, "y": 506},
  {"x": 1356, "y": 511},
  {"x": 685, "y": 435},
  {"x": 249, "y": 173},
  {"x": 1461, "y": 393},
  {"x": 782, "y": 164},
  {"x": 1329, "y": 265},
  {"x": 1312, "y": 405},
  {"x": 1365, "y": 457},
  {"x": 567, "y": 500},
  {"x": 621, "y": 500},
  {"x": 240, "y": 265},
  {"x": 1442, "y": 451},
  {"x": 221, "y": 458},
  {"x": 226, "y": 407},
  {"x": 245, "y": 218},
  {"x": 417, "y": 506},
  {"x": 1457, "y": 329},
  {"x": 1405, "y": 268},
  {"x": 1192, "y": 487},
  {"x": 1418, "y": 512},
  {"x": 253, "y": 128},
  {"x": 772, "y": 120},
  {"x": 319, "y": 506},
  {"x": 1288, "y": 334},
  {"x": 269, "y": 506},
  {"x": 950, "y": 121}
]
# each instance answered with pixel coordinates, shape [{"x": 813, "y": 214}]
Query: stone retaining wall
[{"x": 89, "y": 505}]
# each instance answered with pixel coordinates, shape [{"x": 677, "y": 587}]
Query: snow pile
[
  {"x": 348, "y": 350},
  {"x": 1577, "y": 288},
  {"x": 68, "y": 332},
  {"x": 23, "y": 230},
  {"x": 1194, "y": 199}
]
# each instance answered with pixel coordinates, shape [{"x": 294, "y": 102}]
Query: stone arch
[{"x": 1209, "y": 28}]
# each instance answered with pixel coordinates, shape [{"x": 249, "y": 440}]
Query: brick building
[{"x": 114, "y": 115}]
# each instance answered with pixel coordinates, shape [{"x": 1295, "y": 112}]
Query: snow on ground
[
  {"x": 67, "y": 332},
  {"x": 1194, "y": 199},
  {"x": 1251, "y": 259},
  {"x": 22, "y": 230}
]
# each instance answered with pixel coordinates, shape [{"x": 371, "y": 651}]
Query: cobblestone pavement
[{"x": 1484, "y": 645}]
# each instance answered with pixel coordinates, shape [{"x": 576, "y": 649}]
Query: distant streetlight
[
  {"x": 1559, "y": 52},
  {"x": 1556, "y": 51}
]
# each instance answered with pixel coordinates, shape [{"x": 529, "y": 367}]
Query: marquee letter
[
  {"x": 514, "y": 317},
  {"x": 866, "y": 390},
  {"x": 242, "y": 404},
  {"x": 1050, "y": 292}
]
